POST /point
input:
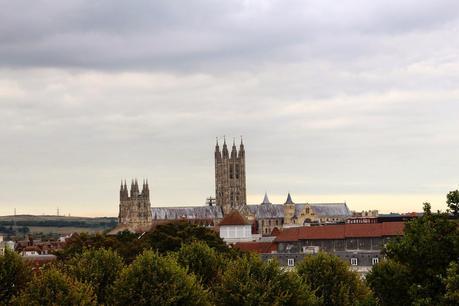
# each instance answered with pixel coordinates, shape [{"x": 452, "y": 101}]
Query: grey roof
[
  {"x": 331, "y": 209},
  {"x": 266, "y": 211},
  {"x": 196, "y": 212},
  {"x": 261, "y": 211}
]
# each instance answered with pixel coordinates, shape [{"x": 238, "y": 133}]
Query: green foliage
[
  {"x": 126, "y": 244},
  {"x": 452, "y": 285},
  {"x": 165, "y": 238},
  {"x": 14, "y": 275},
  {"x": 452, "y": 199},
  {"x": 332, "y": 280},
  {"x": 391, "y": 282},
  {"x": 155, "y": 280},
  {"x": 428, "y": 246},
  {"x": 201, "y": 260},
  {"x": 170, "y": 237},
  {"x": 53, "y": 287},
  {"x": 99, "y": 268},
  {"x": 250, "y": 281}
]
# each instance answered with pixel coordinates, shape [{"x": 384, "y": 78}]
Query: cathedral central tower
[{"x": 230, "y": 190}]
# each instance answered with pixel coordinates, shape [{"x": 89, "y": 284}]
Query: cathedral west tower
[
  {"x": 135, "y": 208},
  {"x": 230, "y": 189}
]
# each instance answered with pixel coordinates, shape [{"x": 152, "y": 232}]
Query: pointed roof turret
[
  {"x": 225, "y": 148},
  {"x": 233, "y": 149},
  {"x": 289, "y": 199},
  {"x": 218, "y": 155},
  {"x": 241, "y": 149},
  {"x": 265, "y": 200}
]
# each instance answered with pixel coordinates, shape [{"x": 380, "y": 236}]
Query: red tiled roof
[
  {"x": 341, "y": 231},
  {"x": 257, "y": 247},
  {"x": 363, "y": 230},
  {"x": 234, "y": 218},
  {"x": 318, "y": 232},
  {"x": 393, "y": 228}
]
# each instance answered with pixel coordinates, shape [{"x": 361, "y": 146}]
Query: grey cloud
[
  {"x": 331, "y": 97},
  {"x": 203, "y": 35}
]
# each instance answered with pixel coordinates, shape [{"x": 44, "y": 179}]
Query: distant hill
[{"x": 58, "y": 224}]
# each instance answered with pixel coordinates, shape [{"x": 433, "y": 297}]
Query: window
[
  {"x": 291, "y": 262},
  {"x": 354, "y": 261},
  {"x": 374, "y": 260}
]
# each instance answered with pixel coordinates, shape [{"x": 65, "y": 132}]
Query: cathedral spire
[
  {"x": 289, "y": 199},
  {"x": 241, "y": 150},
  {"x": 225, "y": 148},
  {"x": 265, "y": 200},
  {"x": 132, "y": 187},
  {"x": 145, "y": 189},
  {"x": 218, "y": 155},
  {"x": 121, "y": 191},
  {"x": 233, "y": 150}
]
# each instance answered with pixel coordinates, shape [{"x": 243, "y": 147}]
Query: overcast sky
[{"x": 354, "y": 101}]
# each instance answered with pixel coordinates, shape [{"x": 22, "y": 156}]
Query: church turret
[
  {"x": 218, "y": 155},
  {"x": 233, "y": 151},
  {"x": 132, "y": 192},
  {"x": 121, "y": 191},
  {"x": 135, "y": 210},
  {"x": 289, "y": 199},
  {"x": 145, "y": 190},
  {"x": 289, "y": 210},
  {"x": 265, "y": 200},
  {"x": 225, "y": 149},
  {"x": 241, "y": 150}
]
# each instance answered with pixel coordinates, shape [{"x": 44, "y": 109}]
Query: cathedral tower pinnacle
[{"x": 230, "y": 187}]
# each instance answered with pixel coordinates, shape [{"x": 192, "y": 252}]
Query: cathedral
[{"x": 136, "y": 213}]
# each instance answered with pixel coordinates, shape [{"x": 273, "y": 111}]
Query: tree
[
  {"x": 53, "y": 287},
  {"x": 126, "y": 244},
  {"x": 99, "y": 268},
  {"x": 14, "y": 275},
  {"x": 428, "y": 246},
  {"x": 155, "y": 280},
  {"x": 250, "y": 281},
  {"x": 202, "y": 260},
  {"x": 170, "y": 237},
  {"x": 391, "y": 282},
  {"x": 332, "y": 280},
  {"x": 452, "y": 199},
  {"x": 452, "y": 284}
]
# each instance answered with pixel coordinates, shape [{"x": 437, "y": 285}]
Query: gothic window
[
  {"x": 231, "y": 171},
  {"x": 307, "y": 210},
  {"x": 237, "y": 172}
]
